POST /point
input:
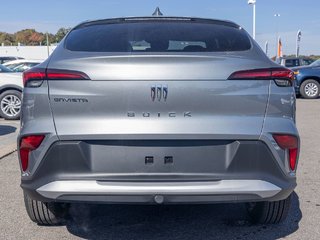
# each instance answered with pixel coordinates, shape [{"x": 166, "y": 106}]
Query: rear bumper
[
  {"x": 165, "y": 192},
  {"x": 202, "y": 171}
]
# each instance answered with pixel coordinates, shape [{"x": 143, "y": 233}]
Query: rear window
[
  {"x": 4, "y": 69},
  {"x": 292, "y": 63},
  {"x": 158, "y": 36},
  {"x": 307, "y": 61}
]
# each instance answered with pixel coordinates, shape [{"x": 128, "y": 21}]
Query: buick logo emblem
[{"x": 159, "y": 92}]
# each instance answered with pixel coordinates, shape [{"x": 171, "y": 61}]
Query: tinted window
[
  {"x": 7, "y": 59},
  {"x": 316, "y": 63},
  {"x": 292, "y": 63},
  {"x": 155, "y": 36},
  {"x": 23, "y": 67},
  {"x": 306, "y": 61},
  {"x": 4, "y": 69},
  {"x": 13, "y": 65}
]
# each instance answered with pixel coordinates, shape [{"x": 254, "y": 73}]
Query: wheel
[
  {"x": 269, "y": 212},
  {"x": 310, "y": 89},
  {"x": 10, "y": 104},
  {"x": 50, "y": 214}
]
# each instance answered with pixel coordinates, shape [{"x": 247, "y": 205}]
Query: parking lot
[{"x": 220, "y": 221}]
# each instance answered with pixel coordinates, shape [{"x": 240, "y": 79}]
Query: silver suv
[{"x": 158, "y": 110}]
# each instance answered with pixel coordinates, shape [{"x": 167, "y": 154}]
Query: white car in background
[
  {"x": 10, "y": 93},
  {"x": 4, "y": 59},
  {"x": 22, "y": 65}
]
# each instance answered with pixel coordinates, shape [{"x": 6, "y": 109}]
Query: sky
[{"x": 294, "y": 15}]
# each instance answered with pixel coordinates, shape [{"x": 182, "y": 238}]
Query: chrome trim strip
[
  {"x": 159, "y": 92},
  {"x": 165, "y": 92},
  {"x": 55, "y": 189},
  {"x": 153, "y": 92}
]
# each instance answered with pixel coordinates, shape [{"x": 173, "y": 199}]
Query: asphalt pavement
[
  {"x": 219, "y": 221},
  {"x": 8, "y": 136}
]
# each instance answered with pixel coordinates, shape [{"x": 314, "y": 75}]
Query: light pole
[
  {"x": 266, "y": 47},
  {"x": 253, "y": 3},
  {"x": 47, "y": 39},
  {"x": 277, "y": 15}
]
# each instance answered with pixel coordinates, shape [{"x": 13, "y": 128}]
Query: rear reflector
[
  {"x": 290, "y": 143},
  {"x": 28, "y": 144},
  {"x": 293, "y": 154},
  {"x": 263, "y": 74},
  {"x": 35, "y": 76}
]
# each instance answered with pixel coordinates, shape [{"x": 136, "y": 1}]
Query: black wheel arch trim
[
  {"x": 316, "y": 78},
  {"x": 10, "y": 87}
]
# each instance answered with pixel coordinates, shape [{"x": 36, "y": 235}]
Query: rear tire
[
  {"x": 42, "y": 213},
  {"x": 310, "y": 89},
  {"x": 10, "y": 104},
  {"x": 269, "y": 212}
]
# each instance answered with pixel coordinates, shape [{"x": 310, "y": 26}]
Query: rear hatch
[{"x": 153, "y": 97}]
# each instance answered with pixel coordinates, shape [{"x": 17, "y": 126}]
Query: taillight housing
[
  {"x": 282, "y": 76},
  {"x": 27, "y": 145},
  {"x": 35, "y": 76},
  {"x": 289, "y": 143}
]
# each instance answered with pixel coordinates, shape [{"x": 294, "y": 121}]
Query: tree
[
  {"x": 23, "y": 36},
  {"x": 6, "y": 38},
  {"x": 61, "y": 33},
  {"x": 36, "y": 38}
]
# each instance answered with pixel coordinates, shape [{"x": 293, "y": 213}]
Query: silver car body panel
[{"x": 217, "y": 131}]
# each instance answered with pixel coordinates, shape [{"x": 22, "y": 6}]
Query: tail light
[
  {"x": 282, "y": 76},
  {"x": 289, "y": 143},
  {"x": 35, "y": 76},
  {"x": 58, "y": 74},
  {"x": 27, "y": 145}
]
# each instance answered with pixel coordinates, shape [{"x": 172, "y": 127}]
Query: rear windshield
[
  {"x": 4, "y": 69},
  {"x": 158, "y": 36}
]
